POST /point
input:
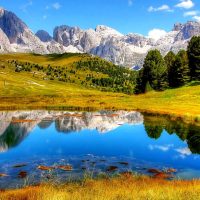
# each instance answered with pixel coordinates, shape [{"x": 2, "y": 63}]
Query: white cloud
[
  {"x": 56, "y": 6},
  {"x": 186, "y": 4},
  {"x": 161, "y": 8},
  {"x": 197, "y": 18},
  {"x": 161, "y": 147},
  {"x": 130, "y": 2},
  {"x": 25, "y": 6},
  {"x": 184, "y": 152},
  {"x": 156, "y": 33},
  {"x": 191, "y": 13}
]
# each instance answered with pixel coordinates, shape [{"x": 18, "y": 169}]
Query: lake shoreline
[
  {"x": 124, "y": 187},
  {"x": 188, "y": 117}
]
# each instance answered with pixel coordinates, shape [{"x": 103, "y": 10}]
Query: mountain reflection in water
[
  {"x": 95, "y": 141},
  {"x": 15, "y": 126}
]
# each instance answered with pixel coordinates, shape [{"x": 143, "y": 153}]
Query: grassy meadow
[{"x": 27, "y": 91}]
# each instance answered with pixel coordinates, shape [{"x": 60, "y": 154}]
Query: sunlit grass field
[
  {"x": 25, "y": 91},
  {"x": 122, "y": 188}
]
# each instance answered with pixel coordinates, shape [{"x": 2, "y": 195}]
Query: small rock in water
[
  {"x": 3, "y": 175},
  {"x": 112, "y": 168},
  {"x": 19, "y": 165},
  {"x": 85, "y": 161},
  {"x": 45, "y": 168},
  {"x": 22, "y": 174},
  {"x": 83, "y": 168},
  {"x": 65, "y": 167},
  {"x": 171, "y": 170},
  {"x": 123, "y": 163},
  {"x": 154, "y": 171}
]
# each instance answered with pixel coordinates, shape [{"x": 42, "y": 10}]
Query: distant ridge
[{"x": 126, "y": 50}]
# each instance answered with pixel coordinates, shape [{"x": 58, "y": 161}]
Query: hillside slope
[
  {"x": 73, "y": 68},
  {"x": 28, "y": 90}
]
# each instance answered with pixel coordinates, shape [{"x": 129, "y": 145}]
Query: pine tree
[
  {"x": 169, "y": 61},
  {"x": 140, "y": 83},
  {"x": 181, "y": 69},
  {"x": 155, "y": 70},
  {"x": 194, "y": 57}
]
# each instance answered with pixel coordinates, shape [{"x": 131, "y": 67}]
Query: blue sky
[{"x": 138, "y": 16}]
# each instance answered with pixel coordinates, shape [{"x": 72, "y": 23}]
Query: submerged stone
[
  {"x": 22, "y": 174},
  {"x": 45, "y": 168},
  {"x": 65, "y": 167},
  {"x": 19, "y": 165},
  {"x": 154, "y": 171},
  {"x": 124, "y": 163},
  {"x": 171, "y": 170},
  {"x": 3, "y": 175},
  {"x": 112, "y": 168},
  {"x": 83, "y": 168}
]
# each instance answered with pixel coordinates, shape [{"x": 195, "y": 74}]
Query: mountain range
[{"x": 126, "y": 50}]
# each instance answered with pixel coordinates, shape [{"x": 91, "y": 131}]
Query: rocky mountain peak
[
  {"x": 66, "y": 35},
  {"x": 177, "y": 27},
  {"x": 107, "y": 30},
  {"x": 11, "y": 25},
  {"x": 188, "y": 30},
  {"x": 44, "y": 36},
  {"x": 1, "y": 11}
]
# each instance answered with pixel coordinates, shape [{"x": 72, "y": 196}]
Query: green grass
[{"x": 25, "y": 91}]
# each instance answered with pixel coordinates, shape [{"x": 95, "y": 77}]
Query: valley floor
[{"x": 122, "y": 188}]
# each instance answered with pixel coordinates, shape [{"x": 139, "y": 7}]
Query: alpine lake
[{"x": 58, "y": 146}]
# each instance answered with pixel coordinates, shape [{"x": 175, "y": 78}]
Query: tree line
[{"x": 172, "y": 71}]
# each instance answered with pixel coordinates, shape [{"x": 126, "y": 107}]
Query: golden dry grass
[{"x": 122, "y": 188}]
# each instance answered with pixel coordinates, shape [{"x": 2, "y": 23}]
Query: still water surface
[{"x": 92, "y": 142}]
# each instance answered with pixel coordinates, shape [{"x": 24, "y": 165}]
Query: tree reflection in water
[{"x": 156, "y": 124}]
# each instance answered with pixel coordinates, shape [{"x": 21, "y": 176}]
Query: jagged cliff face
[
  {"x": 4, "y": 43},
  {"x": 127, "y": 50},
  {"x": 13, "y": 132},
  {"x": 12, "y": 26},
  {"x": 19, "y": 38},
  {"x": 121, "y": 49}
]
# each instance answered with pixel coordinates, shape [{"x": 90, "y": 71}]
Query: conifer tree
[
  {"x": 155, "y": 70},
  {"x": 194, "y": 57},
  {"x": 169, "y": 60},
  {"x": 181, "y": 69}
]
